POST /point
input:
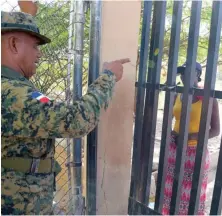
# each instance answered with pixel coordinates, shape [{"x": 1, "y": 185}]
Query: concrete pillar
[{"x": 120, "y": 31}]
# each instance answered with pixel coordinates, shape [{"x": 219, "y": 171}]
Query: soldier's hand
[
  {"x": 29, "y": 7},
  {"x": 116, "y": 67}
]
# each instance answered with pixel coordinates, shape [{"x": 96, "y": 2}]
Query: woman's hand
[
  {"x": 174, "y": 133},
  {"x": 193, "y": 136}
]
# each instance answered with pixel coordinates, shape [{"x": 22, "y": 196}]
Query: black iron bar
[
  {"x": 186, "y": 105},
  {"x": 179, "y": 89},
  {"x": 209, "y": 85},
  {"x": 142, "y": 209},
  {"x": 151, "y": 102},
  {"x": 169, "y": 99},
  {"x": 140, "y": 100},
  {"x": 94, "y": 68}
]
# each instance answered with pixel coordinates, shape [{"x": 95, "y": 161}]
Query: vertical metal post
[
  {"x": 94, "y": 65},
  {"x": 210, "y": 79},
  {"x": 151, "y": 102},
  {"x": 77, "y": 87},
  {"x": 169, "y": 99},
  {"x": 186, "y": 104},
  {"x": 68, "y": 97},
  {"x": 144, "y": 47}
]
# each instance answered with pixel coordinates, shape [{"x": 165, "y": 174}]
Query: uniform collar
[{"x": 9, "y": 73}]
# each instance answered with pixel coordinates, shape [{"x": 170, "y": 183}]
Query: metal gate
[{"x": 148, "y": 90}]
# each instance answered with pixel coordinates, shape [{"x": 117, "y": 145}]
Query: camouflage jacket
[{"x": 29, "y": 125}]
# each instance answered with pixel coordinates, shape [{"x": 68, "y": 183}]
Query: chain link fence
[{"x": 56, "y": 20}]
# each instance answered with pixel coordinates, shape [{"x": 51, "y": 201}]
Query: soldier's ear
[
  {"x": 29, "y": 7},
  {"x": 12, "y": 44}
]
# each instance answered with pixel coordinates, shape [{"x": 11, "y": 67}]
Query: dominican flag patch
[{"x": 41, "y": 97}]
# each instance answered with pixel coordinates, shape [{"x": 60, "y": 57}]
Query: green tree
[
  {"x": 203, "y": 36},
  {"x": 53, "y": 21}
]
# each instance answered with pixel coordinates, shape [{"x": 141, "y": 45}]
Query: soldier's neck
[{"x": 13, "y": 66}]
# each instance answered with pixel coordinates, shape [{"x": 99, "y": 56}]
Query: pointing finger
[{"x": 124, "y": 61}]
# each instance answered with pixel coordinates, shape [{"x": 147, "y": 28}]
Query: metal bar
[
  {"x": 217, "y": 94},
  {"x": 179, "y": 89},
  {"x": 186, "y": 105},
  {"x": 68, "y": 97},
  {"x": 140, "y": 208},
  {"x": 210, "y": 79},
  {"x": 151, "y": 103},
  {"x": 140, "y": 98},
  {"x": 216, "y": 205},
  {"x": 77, "y": 87},
  {"x": 94, "y": 65},
  {"x": 169, "y": 100}
]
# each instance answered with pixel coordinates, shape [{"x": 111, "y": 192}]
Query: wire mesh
[{"x": 55, "y": 19}]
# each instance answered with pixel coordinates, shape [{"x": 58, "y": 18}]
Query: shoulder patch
[{"x": 41, "y": 97}]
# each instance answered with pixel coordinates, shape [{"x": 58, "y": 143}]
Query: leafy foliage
[
  {"x": 53, "y": 20},
  {"x": 203, "y": 36}
]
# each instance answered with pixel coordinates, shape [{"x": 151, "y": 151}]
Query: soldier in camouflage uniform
[{"x": 31, "y": 121}]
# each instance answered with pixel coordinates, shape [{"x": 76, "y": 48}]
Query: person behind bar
[
  {"x": 31, "y": 121},
  {"x": 195, "y": 115}
]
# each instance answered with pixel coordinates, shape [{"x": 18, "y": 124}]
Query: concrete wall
[{"x": 120, "y": 30}]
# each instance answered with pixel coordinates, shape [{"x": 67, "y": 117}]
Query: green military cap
[{"x": 22, "y": 22}]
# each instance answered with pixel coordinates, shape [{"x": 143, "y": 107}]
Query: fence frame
[
  {"x": 94, "y": 68},
  {"x": 144, "y": 141}
]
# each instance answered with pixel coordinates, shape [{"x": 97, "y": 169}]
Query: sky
[{"x": 8, "y": 5}]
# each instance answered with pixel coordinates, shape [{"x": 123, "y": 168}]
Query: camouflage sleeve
[{"x": 25, "y": 115}]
